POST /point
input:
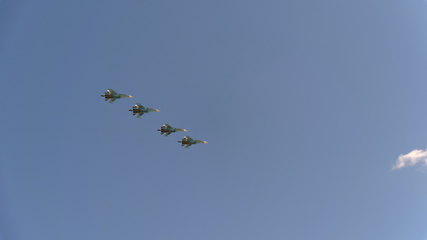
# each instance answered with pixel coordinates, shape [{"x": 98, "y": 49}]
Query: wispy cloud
[{"x": 412, "y": 158}]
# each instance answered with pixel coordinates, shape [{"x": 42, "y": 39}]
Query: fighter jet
[
  {"x": 188, "y": 141},
  {"x": 112, "y": 95},
  {"x": 139, "y": 110},
  {"x": 167, "y": 129}
]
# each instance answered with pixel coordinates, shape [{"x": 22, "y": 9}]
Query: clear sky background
[{"x": 306, "y": 105}]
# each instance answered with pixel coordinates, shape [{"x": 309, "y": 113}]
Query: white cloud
[{"x": 411, "y": 158}]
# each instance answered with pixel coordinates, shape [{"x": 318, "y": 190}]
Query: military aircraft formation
[{"x": 139, "y": 110}]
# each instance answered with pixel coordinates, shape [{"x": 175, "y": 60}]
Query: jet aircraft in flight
[
  {"x": 167, "y": 129},
  {"x": 188, "y": 141},
  {"x": 112, "y": 95},
  {"x": 139, "y": 110}
]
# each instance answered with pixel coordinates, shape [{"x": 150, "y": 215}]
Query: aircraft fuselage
[
  {"x": 165, "y": 130},
  {"x": 136, "y": 110}
]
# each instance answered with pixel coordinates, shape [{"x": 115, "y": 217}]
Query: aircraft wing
[{"x": 199, "y": 141}]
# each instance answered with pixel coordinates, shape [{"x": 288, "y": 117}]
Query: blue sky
[{"x": 306, "y": 106}]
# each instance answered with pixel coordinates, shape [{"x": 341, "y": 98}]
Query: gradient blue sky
[{"x": 306, "y": 105}]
